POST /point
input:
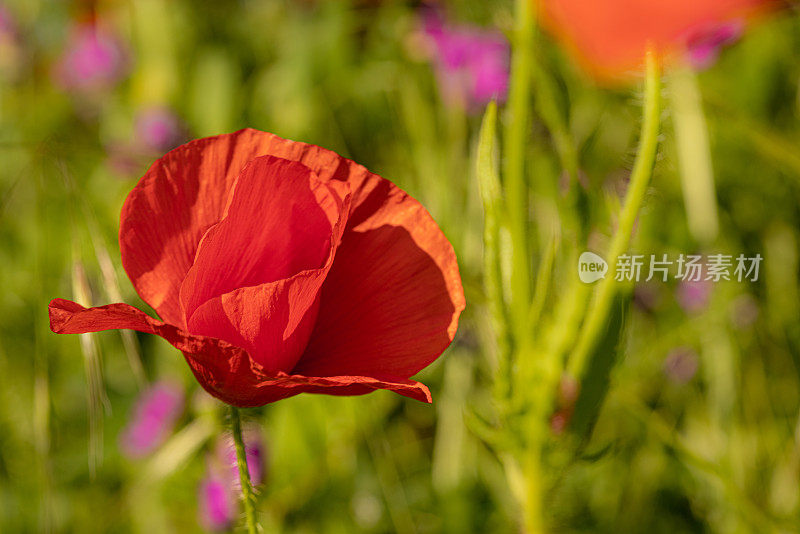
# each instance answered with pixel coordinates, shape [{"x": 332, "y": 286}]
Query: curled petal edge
[{"x": 225, "y": 371}]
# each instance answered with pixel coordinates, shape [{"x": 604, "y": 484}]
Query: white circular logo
[{"x": 591, "y": 267}]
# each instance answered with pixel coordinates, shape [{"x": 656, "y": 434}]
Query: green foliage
[{"x": 642, "y": 452}]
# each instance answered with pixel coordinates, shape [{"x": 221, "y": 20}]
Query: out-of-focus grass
[{"x": 719, "y": 453}]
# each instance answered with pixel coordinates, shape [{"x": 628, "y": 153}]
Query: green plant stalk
[
  {"x": 516, "y": 189},
  {"x": 543, "y": 277},
  {"x": 533, "y": 518},
  {"x": 694, "y": 155},
  {"x": 248, "y": 496},
  {"x": 491, "y": 196},
  {"x": 516, "y": 196},
  {"x": 552, "y": 117},
  {"x": 640, "y": 178},
  {"x": 562, "y": 327},
  {"x": 539, "y": 361},
  {"x": 558, "y": 126}
]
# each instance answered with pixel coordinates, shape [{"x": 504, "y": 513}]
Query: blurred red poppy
[
  {"x": 610, "y": 38},
  {"x": 280, "y": 268}
]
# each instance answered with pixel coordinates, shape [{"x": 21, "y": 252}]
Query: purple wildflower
[
  {"x": 154, "y": 417},
  {"x": 254, "y": 451},
  {"x": 472, "y": 63},
  {"x": 158, "y": 129},
  {"x": 216, "y": 505},
  {"x": 221, "y": 488},
  {"x": 10, "y": 50},
  {"x": 680, "y": 365},
  {"x": 703, "y": 45},
  {"x": 693, "y": 296},
  {"x": 93, "y": 60},
  {"x": 7, "y": 25}
]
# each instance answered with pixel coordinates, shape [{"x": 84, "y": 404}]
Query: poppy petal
[
  {"x": 284, "y": 386},
  {"x": 392, "y": 299},
  {"x": 67, "y": 317},
  {"x": 272, "y": 322},
  {"x": 285, "y": 225},
  {"x": 185, "y": 192},
  {"x": 278, "y": 222},
  {"x": 178, "y": 199},
  {"x": 224, "y": 371},
  {"x": 407, "y": 263}
]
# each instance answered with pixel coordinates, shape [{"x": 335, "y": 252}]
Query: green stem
[
  {"x": 516, "y": 189},
  {"x": 248, "y": 496},
  {"x": 694, "y": 155},
  {"x": 640, "y": 178},
  {"x": 543, "y": 277},
  {"x": 491, "y": 195},
  {"x": 533, "y": 516},
  {"x": 558, "y": 125},
  {"x": 569, "y": 209}
]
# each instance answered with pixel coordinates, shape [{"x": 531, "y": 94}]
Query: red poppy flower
[
  {"x": 610, "y": 37},
  {"x": 280, "y": 268}
]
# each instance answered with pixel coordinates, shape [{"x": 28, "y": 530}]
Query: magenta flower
[
  {"x": 216, "y": 505},
  {"x": 472, "y": 63},
  {"x": 10, "y": 50},
  {"x": 154, "y": 417},
  {"x": 158, "y": 129},
  {"x": 93, "y": 60},
  {"x": 221, "y": 487},
  {"x": 693, "y": 296},
  {"x": 254, "y": 450},
  {"x": 7, "y": 26},
  {"x": 704, "y": 45}
]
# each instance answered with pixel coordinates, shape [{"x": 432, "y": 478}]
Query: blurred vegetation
[{"x": 718, "y": 451}]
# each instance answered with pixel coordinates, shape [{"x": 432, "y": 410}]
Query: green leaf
[
  {"x": 491, "y": 195},
  {"x": 595, "y": 382}
]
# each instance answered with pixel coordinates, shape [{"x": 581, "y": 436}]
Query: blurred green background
[{"x": 711, "y": 447}]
